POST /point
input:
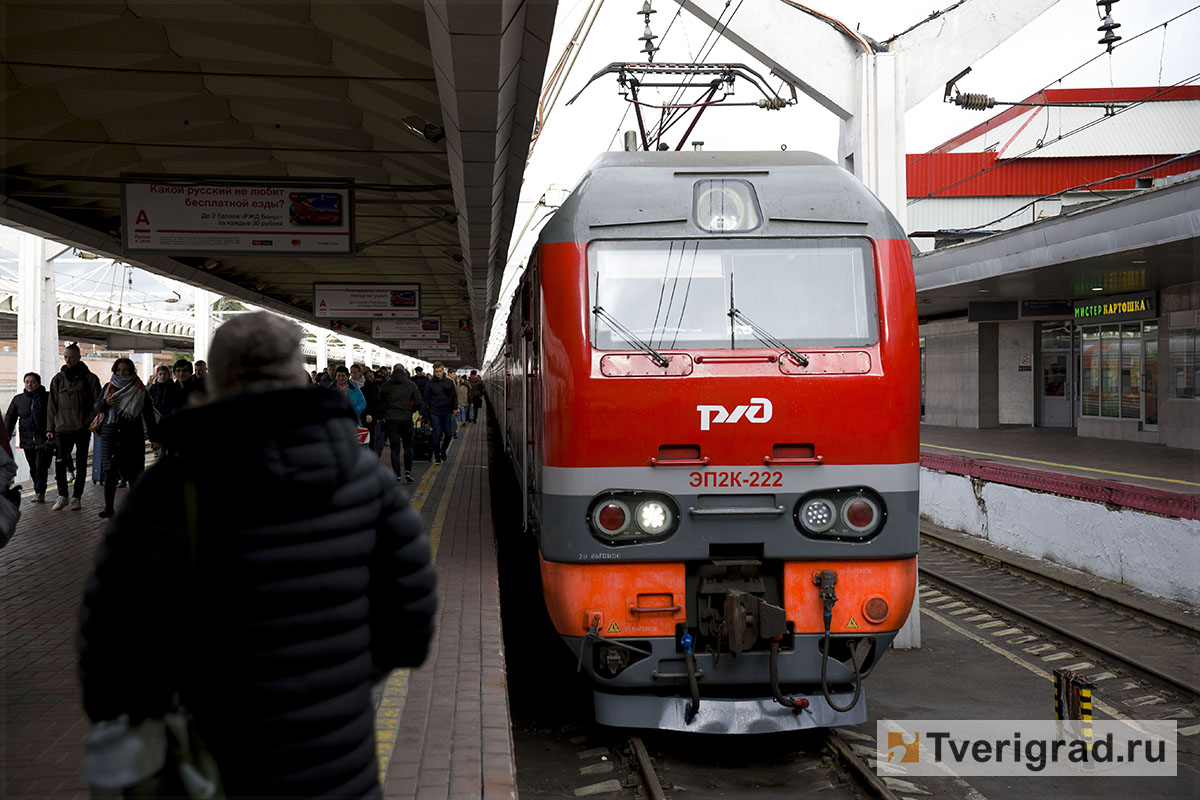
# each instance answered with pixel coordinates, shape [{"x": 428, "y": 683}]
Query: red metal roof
[
  {"x": 952, "y": 170},
  {"x": 982, "y": 175}
]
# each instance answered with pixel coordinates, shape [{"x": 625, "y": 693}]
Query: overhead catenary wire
[
  {"x": 1084, "y": 64},
  {"x": 669, "y": 119},
  {"x": 562, "y": 70}
]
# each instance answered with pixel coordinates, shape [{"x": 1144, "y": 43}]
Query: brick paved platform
[{"x": 442, "y": 729}]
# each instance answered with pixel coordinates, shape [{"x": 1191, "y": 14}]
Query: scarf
[
  {"x": 36, "y": 412},
  {"x": 345, "y": 390},
  {"x": 130, "y": 393}
]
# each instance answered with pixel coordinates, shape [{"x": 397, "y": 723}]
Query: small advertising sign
[
  {"x": 367, "y": 300},
  {"x": 181, "y": 218},
  {"x": 431, "y": 354},
  {"x": 423, "y": 329}
]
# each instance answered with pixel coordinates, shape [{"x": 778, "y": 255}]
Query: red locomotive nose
[{"x": 611, "y": 517}]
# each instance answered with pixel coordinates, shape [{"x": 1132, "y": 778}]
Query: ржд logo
[{"x": 758, "y": 410}]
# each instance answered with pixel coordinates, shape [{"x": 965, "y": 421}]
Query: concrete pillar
[
  {"x": 203, "y": 322},
  {"x": 146, "y": 367},
  {"x": 348, "y": 352},
  {"x": 322, "y": 350},
  {"x": 871, "y": 143},
  {"x": 37, "y": 322},
  {"x": 989, "y": 375}
]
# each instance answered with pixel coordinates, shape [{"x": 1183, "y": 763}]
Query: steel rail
[
  {"x": 650, "y": 780},
  {"x": 1041, "y": 622},
  {"x": 860, "y": 768}
]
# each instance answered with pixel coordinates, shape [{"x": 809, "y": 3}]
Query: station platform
[
  {"x": 442, "y": 730},
  {"x": 1135, "y": 475}
]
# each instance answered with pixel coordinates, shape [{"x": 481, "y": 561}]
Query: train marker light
[
  {"x": 654, "y": 516},
  {"x": 611, "y": 517},
  {"x": 859, "y": 514},
  {"x": 875, "y": 609},
  {"x": 847, "y": 514}
]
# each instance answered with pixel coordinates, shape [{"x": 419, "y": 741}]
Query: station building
[{"x": 1058, "y": 282}]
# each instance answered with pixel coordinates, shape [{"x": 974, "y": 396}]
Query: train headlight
[
  {"x": 725, "y": 205},
  {"x": 632, "y": 517},
  {"x": 818, "y": 515},
  {"x": 653, "y": 516},
  {"x": 850, "y": 515}
]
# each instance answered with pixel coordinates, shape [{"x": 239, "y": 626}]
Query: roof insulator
[{"x": 975, "y": 101}]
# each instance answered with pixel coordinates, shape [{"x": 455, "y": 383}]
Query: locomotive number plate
[{"x": 722, "y": 479}]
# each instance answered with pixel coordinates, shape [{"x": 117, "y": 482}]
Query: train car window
[{"x": 677, "y": 294}]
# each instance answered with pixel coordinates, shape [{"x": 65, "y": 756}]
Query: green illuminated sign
[{"x": 1114, "y": 309}]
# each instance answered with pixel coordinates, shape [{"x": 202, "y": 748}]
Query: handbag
[{"x": 159, "y": 757}]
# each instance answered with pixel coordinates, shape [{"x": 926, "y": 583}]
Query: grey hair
[{"x": 254, "y": 352}]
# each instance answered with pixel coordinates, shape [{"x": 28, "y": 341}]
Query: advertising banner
[
  {"x": 432, "y": 354},
  {"x": 424, "y": 329},
  {"x": 367, "y": 300},
  {"x": 178, "y": 218}
]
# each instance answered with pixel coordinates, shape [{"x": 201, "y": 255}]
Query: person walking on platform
[
  {"x": 128, "y": 421},
  {"x": 398, "y": 400},
  {"x": 464, "y": 398},
  {"x": 438, "y": 402},
  {"x": 198, "y": 380},
  {"x": 158, "y": 390},
  {"x": 269, "y": 623},
  {"x": 26, "y": 416},
  {"x": 73, "y": 392},
  {"x": 179, "y": 393},
  {"x": 476, "y": 384},
  {"x": 346, "y": 388},
  {"x": 420, "y": 379},
  {"x": 370, "y": 390}
]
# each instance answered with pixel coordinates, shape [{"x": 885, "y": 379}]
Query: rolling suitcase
[{"x": 423, "y": 444}]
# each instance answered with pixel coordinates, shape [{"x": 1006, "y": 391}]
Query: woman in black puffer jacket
[
  {"x": 26, "y": 416},
  {"x": 313, "y": 577}
]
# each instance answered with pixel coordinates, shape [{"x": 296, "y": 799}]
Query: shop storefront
[{"x": 1116, "y": 340}]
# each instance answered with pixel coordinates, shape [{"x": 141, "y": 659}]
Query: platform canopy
[
  {"x": 395, "y": 130},
  {"x": 1144, "y": 242}
]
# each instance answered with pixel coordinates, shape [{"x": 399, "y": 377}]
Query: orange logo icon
[{"x": 912, "y": 750}]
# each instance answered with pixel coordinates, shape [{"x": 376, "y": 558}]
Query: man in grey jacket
[{"x": 73, "y": 392}]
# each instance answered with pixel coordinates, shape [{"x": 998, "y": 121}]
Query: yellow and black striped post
[
  {"x": 1060, "y": 680},
  {"x": 1083, "y": 688}
]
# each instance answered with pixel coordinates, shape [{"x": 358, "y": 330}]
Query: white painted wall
[{"x": 1155, "y": 554}]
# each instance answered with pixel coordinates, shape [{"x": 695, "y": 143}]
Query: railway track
[
  {"x": 809, "y": 760},
  {"x": 1141, "y": 640}
]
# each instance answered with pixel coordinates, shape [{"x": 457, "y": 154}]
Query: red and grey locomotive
[{"x": 709, "y": 392}]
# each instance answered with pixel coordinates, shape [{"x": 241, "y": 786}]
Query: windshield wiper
[
  {"x": 630, "y": 337},
  {"x": 759, "y": 332},
  {"x": 764, "y": 337}
]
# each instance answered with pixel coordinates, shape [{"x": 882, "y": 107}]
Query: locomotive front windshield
[{"x": 678, "y": 294}]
